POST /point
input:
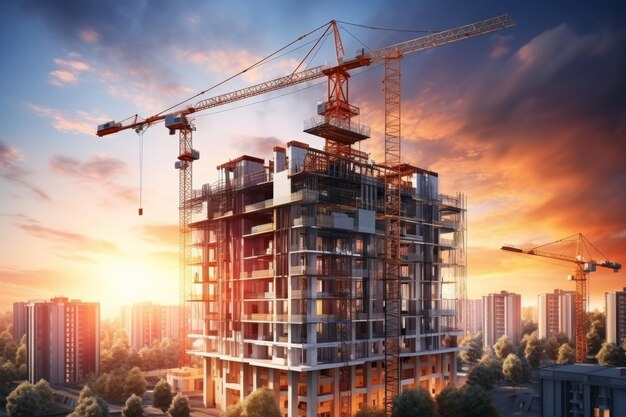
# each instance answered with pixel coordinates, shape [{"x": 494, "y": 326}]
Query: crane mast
[
  {"x": 340, "y": 133},
  {"x": 584, "y": 264}
]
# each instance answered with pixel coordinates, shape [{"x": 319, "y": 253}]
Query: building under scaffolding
[{"x": 288, "y": 274}]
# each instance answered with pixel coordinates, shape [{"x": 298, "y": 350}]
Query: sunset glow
[{"x": 529, "y": 123}]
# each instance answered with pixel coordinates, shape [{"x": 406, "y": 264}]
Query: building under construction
[{"x": 288, "y": 272}]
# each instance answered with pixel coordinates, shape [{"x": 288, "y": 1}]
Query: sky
[{"x": 529, "y": 123}]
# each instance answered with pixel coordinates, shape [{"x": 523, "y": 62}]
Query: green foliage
[
  {"x": 89, "y": 405},
  {"x": 566, "y": 354},
  {"x": 481, "y": 375},
  {"x": 414, "y": 402},
  {"x": 133, "y": 407},
  {"x": 450, "y": 402},
  {"x": 594, "y": 341},
  {"x": 234, "y": 410},
  {"x": 533, "y": 350},
  {"x": 474, "y": 349},
  {"x": 503, "y": 347},
  {"x": 134, "y": 382},
  {"x": 179, "y": 407},
  {"x": 370, "y": 412},
  {"x": 611, "y": 355},
  {"x": 28, "y": 399},
  {"x": 553, "y": 344},
  {"x": 162, "y": 395},
  {"x": 528, "y": 327},
  {"x": 475, "y": 402},
  {"x": 515, "y": 370},
  {"x": 260, "y": 403}
]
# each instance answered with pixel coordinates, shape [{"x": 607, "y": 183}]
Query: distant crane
[
  {"x": 337, "y": 112},
  {"x": 585, "y": 263}
]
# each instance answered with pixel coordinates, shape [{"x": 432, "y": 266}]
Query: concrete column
[
  {"x": 224, "y": 373},
  {"x": 336, "y": 393},
  {"x": 292, "y": 394},
  {"x": 311, "y": 394},
  {"x": 209, "y": 384},
  {"x": 367, "y": 377},
  {"x": 255, "y": 378},
  {"x": 243, "y": 383}
]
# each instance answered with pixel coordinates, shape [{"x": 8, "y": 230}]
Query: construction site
[{"x": 330, "y": 279}]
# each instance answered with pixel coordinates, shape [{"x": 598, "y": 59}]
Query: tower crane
[
  {"x": 584, "y": 263},
  {"x": 336, "y": 111}
]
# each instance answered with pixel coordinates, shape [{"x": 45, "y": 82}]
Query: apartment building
[
  {"x": 472, "y": 316},
  {"x": 502, "y": 316},
  {"x": 146, "y": 322},
  {"x": 63, "y": 340},
  {"x": 556, "y": 313},
  {"x": 615, "y": 308},
  {"x": 289, "y": 280},
  {"x": 19, "y": 320}
]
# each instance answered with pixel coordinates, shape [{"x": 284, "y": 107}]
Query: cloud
[
  {"x": 72, "y": 241},
  {"x": 166, "y": 234},
  {"x": 69, "y": 69},
  {"x": 11, "y": 171},
  {"x": 82, "y": 123},
  {"x": 99, "y": 170}
]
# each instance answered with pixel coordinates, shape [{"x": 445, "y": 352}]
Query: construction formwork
[{"x": 288, "y": 271}]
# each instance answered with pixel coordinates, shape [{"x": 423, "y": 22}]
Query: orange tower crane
[
  {"x": 585, "y": 262},
  {"x": 337, "y": 112}
]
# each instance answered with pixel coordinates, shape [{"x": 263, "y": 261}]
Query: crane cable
[{"x": 140, "y": 135}]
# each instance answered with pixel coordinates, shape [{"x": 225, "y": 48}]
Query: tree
[
  {"x": 180, "y": 406},
  {"x": 162, "y": 395},
  {"x": 482, "y": 376},
  {"x": 260, "y": 403},
  {"x": 133, "y": 407},
  {"x": 114, "y": 386},
  {"x": 594, "y": 341},
  {"x": 610, "y": 354},
  {"x": 513, "y": 369},
  {"x": 528, "y": 327},
  {"x": 449, "y": 402},
  {"x": 503, "y": 347},
  {"x": 566, "y": 354},
  {"x": 369, "y": 412},
  {"x": 28, "y": 399},
  {"x": 476, "y": 402},
  {"x": 135, "y": 382},
  {"x": 553, "y": 344},
  {"x": 414, "y": 402},
  {"x": 234, "y": 410},
  {"x": 474, "y": 349},
  {"x": 533, "y": 350},
  {"x": 494, "y": 364},
  {"x": 89, "y": 405}
]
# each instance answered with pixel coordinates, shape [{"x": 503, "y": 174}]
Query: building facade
[
  {"x": 289, "y": 281},
  {"x": 582, "y": 390},
  {"x": 556, "y": 313},
  {"x": 19, "y": 320},
  {"x": 146, "y": 322},
  {"x": 472, "y": 318},
  {"x": 63, "y": 339},
  {"x": 615, "y": 308},
  {"x": 502, "y": 316}
]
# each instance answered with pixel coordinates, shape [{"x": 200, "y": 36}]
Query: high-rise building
[
  {"x": 556, "y": 313},
  {"x": 63, "y": 340},
  {"x": 615, "y": 308},
  {"x": 19, "y": 320},
  {"x": 472, "y": 316},
  {"x": 502, "y": 316},
  {"x": 146, "y": 322},
  {"x": 289, "y": 267}
]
